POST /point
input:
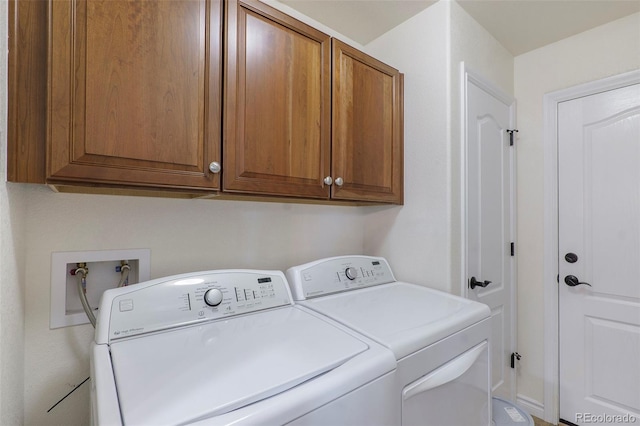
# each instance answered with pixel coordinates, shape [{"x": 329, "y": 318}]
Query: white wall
[
  {"x": 415, "y": 238},
  {"x": 608, "y": 50},
  {"x": 309, "y": 21},
  {"x": 483, "y": 54},
  {"x": 422, "y": 238},
  {"x": 11, "y": 265}
]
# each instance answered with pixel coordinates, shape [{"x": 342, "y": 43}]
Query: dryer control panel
[
  {"x": 187, "y": 299},
  {"x": 337, "y": 274}
]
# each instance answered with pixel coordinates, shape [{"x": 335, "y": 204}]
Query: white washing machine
[
  {"x": 441, "y": 341},
  {"x": 229, "y": 347}
]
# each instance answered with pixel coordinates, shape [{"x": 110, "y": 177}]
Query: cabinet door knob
[
  {"x": 328, "y": 180},
  {"x": 339, "y": 181},
  {"x": 214, "y": 167}
]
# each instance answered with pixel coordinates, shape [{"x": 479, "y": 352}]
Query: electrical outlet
[{"x": 103, "y": 267}]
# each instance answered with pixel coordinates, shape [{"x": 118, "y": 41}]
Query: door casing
[{"x": 550, "y": 272}]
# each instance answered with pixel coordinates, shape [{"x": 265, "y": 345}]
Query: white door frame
[
  {"x": 468, "y": 75},
  {"x": 551, "y": 305}
]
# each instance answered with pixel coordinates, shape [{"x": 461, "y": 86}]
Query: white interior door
[
  {"x": 489, "y": 222},
  {"x": 599, "y": 256}
]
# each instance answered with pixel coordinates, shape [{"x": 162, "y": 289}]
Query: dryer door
[{"x": 454, "y": 394}]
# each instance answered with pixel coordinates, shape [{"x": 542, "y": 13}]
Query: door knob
[
  {"x": 572, "y": 281},
  {"x": 473, "y": 283},
  {"x": 571, "y": 257}
]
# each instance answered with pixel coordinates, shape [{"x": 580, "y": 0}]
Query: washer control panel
[
  {"x": 337, "y": 274},
  {"x": 189, "y": 298}
]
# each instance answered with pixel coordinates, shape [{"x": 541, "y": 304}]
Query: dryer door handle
[{"x": 445, "y": 374}]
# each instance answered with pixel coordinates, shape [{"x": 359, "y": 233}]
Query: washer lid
[
  {"x": 403, "y": 317},
  {"x": 206, "y": 370}
]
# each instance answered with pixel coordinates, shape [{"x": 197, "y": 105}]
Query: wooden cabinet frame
[
  {"x": 287, "y": 153},
  {"x": 43, "y": 114},
  {"x": 367, "y": 127},
  {"x": 74, "y": 156},
  {"x": 26, "y": 133}
]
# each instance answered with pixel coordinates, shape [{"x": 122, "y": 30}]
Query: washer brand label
[{"x": 128, "y": 332}]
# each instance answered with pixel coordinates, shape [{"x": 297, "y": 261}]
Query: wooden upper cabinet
[
  {"x": 135, "y": 92},
  {"x": 277, "y": 103},
  {"x": 367, "y": 128},
  {"x": 130, "y": 94}
]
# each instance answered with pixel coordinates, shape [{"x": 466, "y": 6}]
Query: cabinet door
[
  {"x": 277, "y": 103},
  {"x": 135, "y": 92},
  {"x": 367, "y": 127}
]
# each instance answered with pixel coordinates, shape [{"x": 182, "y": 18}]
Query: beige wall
[
  {"x": 604, "y": 51},
  {"x": 11, "y": 265},
  {"x": 421, "y": 238},
  {"x": 183, "y": 235},
  {"x": 38, "y": 366}
]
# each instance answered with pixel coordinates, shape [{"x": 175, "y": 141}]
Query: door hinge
[
  {"x": 511, "y": 132},
  {"x": 513, "y": 249},
  {"x": 515, "y": 356}
]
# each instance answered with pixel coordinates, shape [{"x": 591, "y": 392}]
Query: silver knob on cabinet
[
  {"x": 328, "y": 180},
  {"x": 351, "y": 272},
  {"x": 214, "y": 167},
  {"x": 213, "y": 297},
  {"x": 339, "y": 181}
]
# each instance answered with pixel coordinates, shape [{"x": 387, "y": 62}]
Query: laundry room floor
[{"x": 540, "y": 422}]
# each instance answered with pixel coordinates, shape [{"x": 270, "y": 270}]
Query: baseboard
[{"x": 533, "y": 407}]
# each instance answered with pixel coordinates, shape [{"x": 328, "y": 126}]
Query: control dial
[
  {"x": 351, "y": 273},
  {"x": 213, "y": 297}
]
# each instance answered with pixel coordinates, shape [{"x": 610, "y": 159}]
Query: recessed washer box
[{"x": 66, "y": 308}]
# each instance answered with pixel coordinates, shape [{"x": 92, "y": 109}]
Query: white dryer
[
  {"x": 441, "y": 341},
  {"x": 229, "y": 347}
]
